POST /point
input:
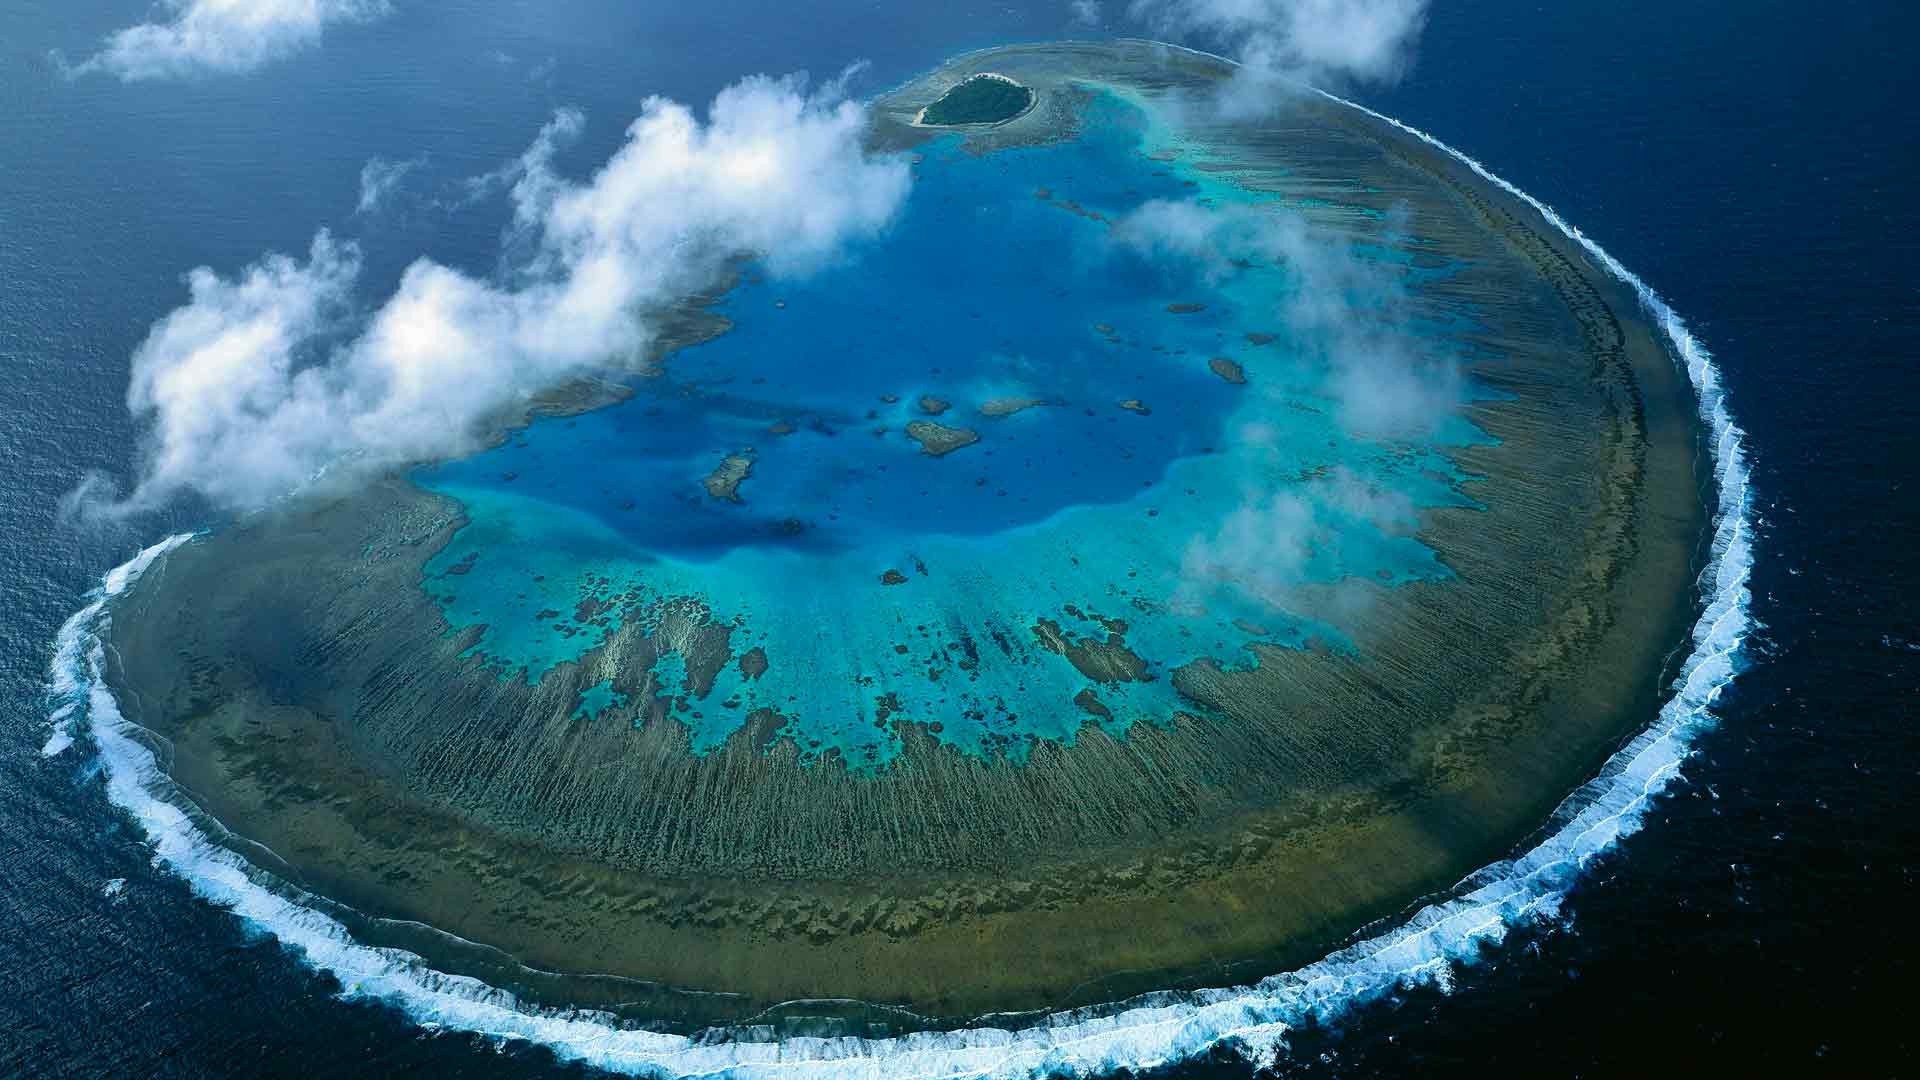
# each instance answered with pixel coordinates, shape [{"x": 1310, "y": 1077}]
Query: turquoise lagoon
[{"x": 999, "y": 281}]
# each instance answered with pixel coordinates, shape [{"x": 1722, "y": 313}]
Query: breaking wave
[{"x": 1143, "y": 1033}]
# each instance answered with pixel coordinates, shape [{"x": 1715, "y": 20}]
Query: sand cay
[{"x": 312, "y": 694}]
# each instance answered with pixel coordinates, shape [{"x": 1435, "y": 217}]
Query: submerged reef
[
  {"x": 724, "y": 481},
  {"x": 1121, "y": 698},
  {"x": 999, "y": 407},
  {"x": 1227, "y": 369},
  {"x": 939, "y": 439}
]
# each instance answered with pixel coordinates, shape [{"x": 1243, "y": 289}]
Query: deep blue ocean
[{"x": 1753, "y": 161}]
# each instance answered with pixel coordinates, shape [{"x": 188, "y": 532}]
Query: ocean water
[
  {"x": 987, "y": 289},
  {"x": 1753, "y": 164}
]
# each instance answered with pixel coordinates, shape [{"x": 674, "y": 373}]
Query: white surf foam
[
  {"x": 1152, "y": 1031},
  {"x": 67, "y": 675},
  {"x": 70, "y": 675}
]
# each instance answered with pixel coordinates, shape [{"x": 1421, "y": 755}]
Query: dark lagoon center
[{"x": 1175, "y": 544}]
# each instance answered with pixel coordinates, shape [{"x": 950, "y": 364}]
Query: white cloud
[
  {"x": 1281, "y": 43},
  {"x": 198, "y": 37},
  {"x": 1347, "y": 313},
  {"x": 264, "y": 382},
  {"x": 1085, "y": 12},
  {"x": 379, "y": 179},
  {"x": 1344, "y": 315},
  {"x": 1265, "y": 548}
]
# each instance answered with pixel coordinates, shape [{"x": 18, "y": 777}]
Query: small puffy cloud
[
  {"x": 1085, "y": 12},
  {"x": 379, "y": 179},
  {"x": 1272, "y": 543},
  {"x": 1283, "y": 43},
  {"x": 222, "y": 377},
  {"x": 197, "y": 37},
  {"x": 267, "y": 381}
]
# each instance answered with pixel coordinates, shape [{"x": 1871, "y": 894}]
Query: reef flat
[{"x": 1209, "y": 687}]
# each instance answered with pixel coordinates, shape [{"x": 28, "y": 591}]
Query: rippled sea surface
[{"x": 1755, "y": 164}]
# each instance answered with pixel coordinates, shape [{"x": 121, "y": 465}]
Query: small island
[{"x": 985, "y": 98}]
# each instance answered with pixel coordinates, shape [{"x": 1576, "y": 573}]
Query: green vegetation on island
[{"x": 982, "y": 99}]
